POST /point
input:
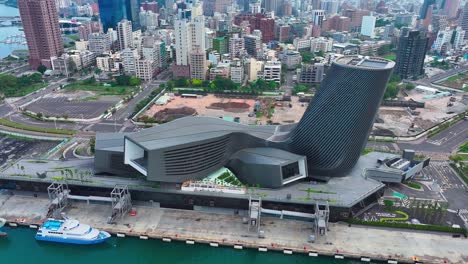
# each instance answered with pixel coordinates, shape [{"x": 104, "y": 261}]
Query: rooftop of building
[
  {"x": 340, "y": 191},
  {"x": 365, "y": 62},
  {"x": 181, "y": 131}
]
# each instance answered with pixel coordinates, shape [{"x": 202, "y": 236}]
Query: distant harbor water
[
  {"x": 20, "y": 247},
  {"x": 6, "y": 49}
]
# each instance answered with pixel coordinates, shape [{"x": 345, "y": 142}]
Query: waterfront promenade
[{"x": 152, "y": 222}]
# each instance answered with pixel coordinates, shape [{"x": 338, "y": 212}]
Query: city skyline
[{"x": 218, "y": 121}]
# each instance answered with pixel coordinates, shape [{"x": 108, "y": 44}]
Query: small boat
[
  {"x": 2, "y": 223},
  {"x": 70, "y": 231}
]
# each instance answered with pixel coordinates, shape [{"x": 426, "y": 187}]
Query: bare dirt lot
[
  {"x": 401, "y": 122},
  {"x": 212, "y": 106}
]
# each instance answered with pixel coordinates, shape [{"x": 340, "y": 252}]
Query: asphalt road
[
  {"x": 445, "y": 142},
  {"x": 450, "y": 185}
]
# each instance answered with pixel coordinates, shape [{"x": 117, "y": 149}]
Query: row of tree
[
  {"x": 394, "y": 86},
  {"x": 11, "y": 85},
  {"x": 220, "y": 84}
]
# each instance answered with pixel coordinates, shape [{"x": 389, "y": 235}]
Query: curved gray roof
[{"x": 190, "y": 129}]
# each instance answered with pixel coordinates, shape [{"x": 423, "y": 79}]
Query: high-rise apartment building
[
  {"x": 212, "y": 6},
  {"x": 99, "y": 43},
  {"x": 464, "y": 20},
  {"x": 41, "y": 28},
  {"x": 189, "y": 36},
  {"x": 311, "y": 73},
  {"x": 450, "y": 8},
  {"x": 129, "y": 59},
  {"x": 266, "y": 25},
  {"x": 198, "y": 64},
  {"x": 236, "y": 46},
  {"x": 253, "y": 45},
  {"x": 449, "y": 39},
  {"x": 439, "y": 22},
  {"x": 275, "y": 6},
  {"x": 338, "y": 23},
  {"x": 272, "y": 71},
  {"x": 145, "y": 69},
  {"x": 237, "y": 71},
  {"x": 410, "y": 55},
  {"x": 425, "y": 14},
  {"x": 150, "y": 6},
  {"x": 181, "y": 28},
  {"x": 221, "y": 45},
  {"x": 125, "y": 34},
  {"x": 196, "y": 32}
]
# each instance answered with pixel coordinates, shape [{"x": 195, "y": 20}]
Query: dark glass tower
[
  {"x": 411, "y": 52},
  {"x": 112, "y": 12},
  {"x": 336, "y": 125}
]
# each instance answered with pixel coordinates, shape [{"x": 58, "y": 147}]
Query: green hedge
[
  {"x": 8, "y": 123},
  {"x": 141, "y": 104},
  {"x": 434, "y": 228},
  {"x": 413, "y": 185},
  {"x": 459, "y": 172}
]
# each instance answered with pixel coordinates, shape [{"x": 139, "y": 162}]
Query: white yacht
[{"x": 70, "y": 231}]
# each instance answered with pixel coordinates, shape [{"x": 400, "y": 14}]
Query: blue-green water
[
  {"x": 21, "y": 247},
  {"x": 6, "y": 49}
]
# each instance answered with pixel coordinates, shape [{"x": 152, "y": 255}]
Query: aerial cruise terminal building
[{"x": 326, "y": 144}]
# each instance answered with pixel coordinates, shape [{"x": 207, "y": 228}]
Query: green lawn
[
  {"x": 390, "y": 56},
  {"x": 28, "y": 89},
  {"x": 100, "y": 89},
  {"x": 8, "y": 123}
]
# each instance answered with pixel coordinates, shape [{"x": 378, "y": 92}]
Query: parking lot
[
  {"x": 14, "y": 148},
  {"x": 62, "y": 106}
]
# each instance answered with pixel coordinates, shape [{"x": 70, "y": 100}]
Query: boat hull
[
  {"x": 3, "y": 234},
  {"x": 74, "y": 241}
]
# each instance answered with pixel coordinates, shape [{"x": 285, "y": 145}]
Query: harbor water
[
  {"x": 21, "y": 247},
  {"x": 8, "y": 31}
]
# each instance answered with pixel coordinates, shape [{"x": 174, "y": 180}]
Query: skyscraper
[
  {"x": 41, "y": 28},
  {"x": 368, "y": 26},
  {"x": 337, "y": 122},
  {"x": 133, "y": 12},
  {"x": 112, "y": 12},
  {"x": 318, "y": 16},
  {"x": 410, "y": 55},
  {"x": 464, "y": 20}
]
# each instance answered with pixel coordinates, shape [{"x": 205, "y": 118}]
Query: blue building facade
[{"x": 112, "y": 12}]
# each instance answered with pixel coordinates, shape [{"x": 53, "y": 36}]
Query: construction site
[
  {"x": 242, "y": 109},
  {"x": 429, "y": 110}
]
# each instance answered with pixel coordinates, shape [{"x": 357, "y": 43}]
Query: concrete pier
[{"x": 287, "y": 236}]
